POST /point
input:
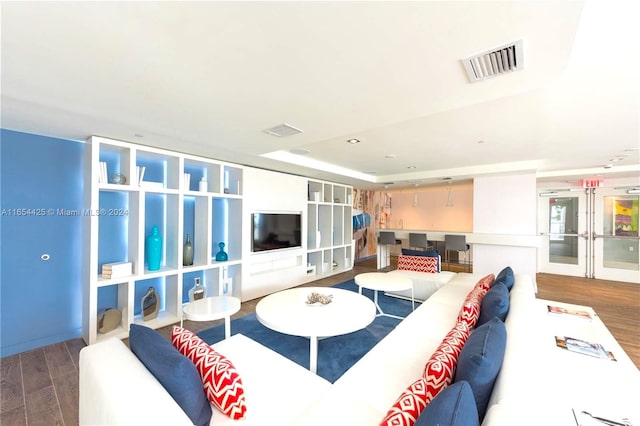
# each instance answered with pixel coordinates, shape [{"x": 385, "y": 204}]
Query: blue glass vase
[
  {"x": 154, "y": 249},
  {"x": 221, "y": 256}
]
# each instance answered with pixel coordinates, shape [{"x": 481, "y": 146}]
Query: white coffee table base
[
  {"x": 212, "y": 308},
  {"x": 380, "y": 281}
]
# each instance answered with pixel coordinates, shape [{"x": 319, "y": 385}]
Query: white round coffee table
[
  {"x": 212, "y": 308},
  {"x": 380, "y": 281},
  {"x": 287, "y": 312}
]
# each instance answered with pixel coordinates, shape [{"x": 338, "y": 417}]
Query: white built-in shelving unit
[
  {"x": 120, "y": 217},
  {"x": 330, "y": 248}
]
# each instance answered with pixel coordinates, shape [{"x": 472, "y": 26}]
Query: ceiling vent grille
[
  {"x": 283, "y": 130},
  {"x": 494, "y": 62}
]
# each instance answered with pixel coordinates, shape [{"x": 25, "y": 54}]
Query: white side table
[
  {"x": 380, "y": 281},
  {"x": 212, "y": 308}
]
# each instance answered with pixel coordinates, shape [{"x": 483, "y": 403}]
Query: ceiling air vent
[
  {"x": 282, "y": 130},
  {"x": 494, "y": 62}
]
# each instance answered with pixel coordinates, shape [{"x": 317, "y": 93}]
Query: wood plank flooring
[{"x": 40, "y": 387}]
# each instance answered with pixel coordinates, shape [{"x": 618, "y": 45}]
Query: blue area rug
[{"x": 335, "y": 354}]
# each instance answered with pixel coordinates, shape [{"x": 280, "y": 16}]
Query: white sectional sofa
[
  {"x": 425, "y": 284},
  {"x": 533, "y": 387}
]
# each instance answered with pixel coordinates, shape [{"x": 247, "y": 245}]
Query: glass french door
[
  {"x": 591, "y": 233},
  {"x": 563, "y": 225},
  {"x": 616, "y": 242}
]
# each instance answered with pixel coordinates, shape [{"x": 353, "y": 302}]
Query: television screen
[{"x": 273, "y": 231}]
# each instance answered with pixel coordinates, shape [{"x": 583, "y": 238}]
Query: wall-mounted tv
[{"x": 274, "y": 231}]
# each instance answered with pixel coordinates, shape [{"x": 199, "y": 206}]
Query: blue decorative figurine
[
  {"x": 154, "y": 249},
  {"x": 221, "y": 256}
]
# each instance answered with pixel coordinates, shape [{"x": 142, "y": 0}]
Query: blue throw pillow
[
  {"x": 506, "y": 277},
  {"x": 173, "y": 370},
  {"x": 452, "y": 406},
  {"x": 427, "y": 253},
  {"x": 494, "y": 304},
  {"x": 480, "y": 360}
]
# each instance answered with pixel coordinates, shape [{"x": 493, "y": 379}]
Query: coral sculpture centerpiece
[{"x": 316, "y": 297}]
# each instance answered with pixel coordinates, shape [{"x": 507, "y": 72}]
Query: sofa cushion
[
  {"x": 494, "y": 304},
  {"x": 426, "y": 253},
  {"x": 506, "y": 277},
  {"x": 438, "y": 374},
  {"x": 418, "y": 263},
  {"x": 454, "y": 406},
  {"x": 222, "y": 383},
  {"x": 480, "y": 361},
  {"x": 173, "y": 370}
]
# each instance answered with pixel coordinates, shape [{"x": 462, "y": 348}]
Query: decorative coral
[{"x": 316, "y": 297}]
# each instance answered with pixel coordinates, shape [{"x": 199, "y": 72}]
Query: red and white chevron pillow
[
  {"x": 418, "y": 263},
  {"x": 486, "y": 282},
  {"x": 222, "y": 383},
  {"x": 469, "y": 313},
  {"x": 438, "y": 374},
  {"x": 441, "y": 366},
  {"x": 470, "y": 310}
]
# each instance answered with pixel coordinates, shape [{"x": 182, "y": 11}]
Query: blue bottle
[
  {"x": 221, "y": 256},
  {"x": 154, "y": 249}
]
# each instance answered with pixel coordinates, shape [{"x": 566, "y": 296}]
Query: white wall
[
  {"x": 505, "y": 205},
  {"x": 267, "y": 191}
]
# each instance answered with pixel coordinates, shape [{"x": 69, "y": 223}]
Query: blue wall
[{"x": 40, "y": 301}]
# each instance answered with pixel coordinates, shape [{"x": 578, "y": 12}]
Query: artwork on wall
[
  {"x": 625, "y": 217},
  {"x": 371, "y": 211}
]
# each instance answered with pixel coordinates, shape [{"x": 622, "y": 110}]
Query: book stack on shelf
[
  {"x": 140, "y": 173},
  {"x": 187, "y": 181},
  {"x": 116, "y": 270},
  {"x": 144, "y": 183},
  {"x": 103, "y": 177}
]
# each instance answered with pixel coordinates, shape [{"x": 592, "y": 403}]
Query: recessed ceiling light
[
  {"x": 480, "y": 142},
  {"x": 390, "y": 156},
  {"x": 411, "y": 167},
  {"x": 138, "y": 135},
  {"x": 353, "y": 141},
  {"x": 608, "y": 166}
]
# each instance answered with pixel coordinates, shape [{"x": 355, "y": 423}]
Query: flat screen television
[{"x": 275, "y": 231}]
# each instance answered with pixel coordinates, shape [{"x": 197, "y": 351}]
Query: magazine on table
[
  {"x": 584, "y": 347},
  {"x": 569, "y": 313},
  {"x": 600, "y": 417}
]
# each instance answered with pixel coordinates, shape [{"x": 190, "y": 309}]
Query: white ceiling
[{"x": 208, "y": 77}]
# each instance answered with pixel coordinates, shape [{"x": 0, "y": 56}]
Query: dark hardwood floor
[{"x": 40, "y": 387}]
